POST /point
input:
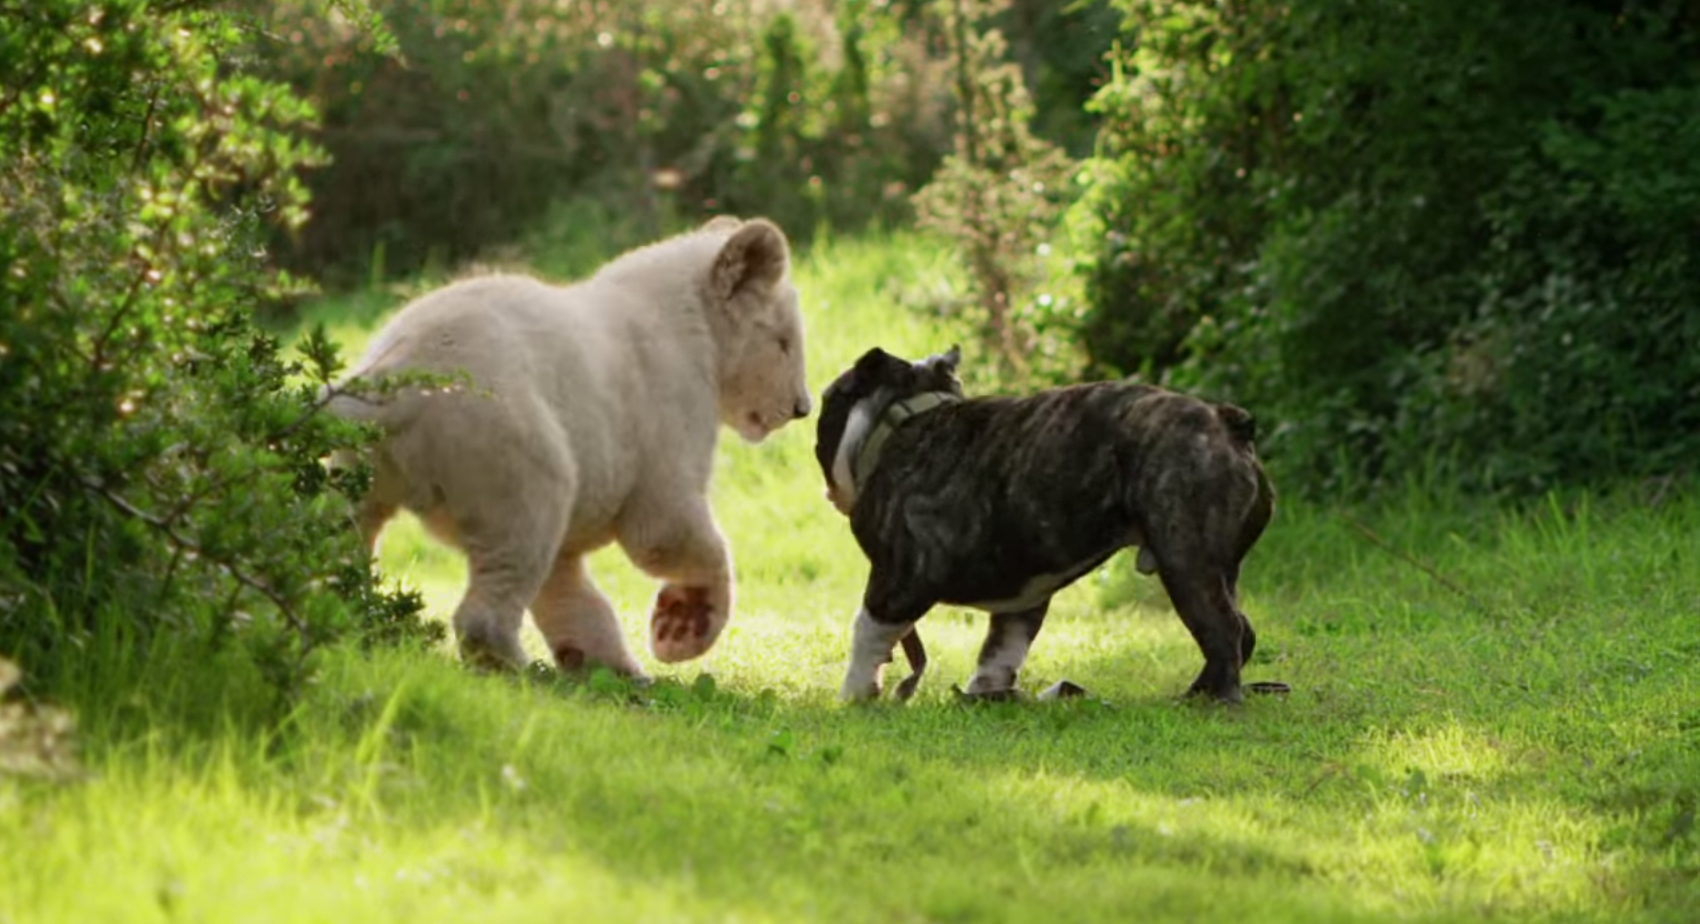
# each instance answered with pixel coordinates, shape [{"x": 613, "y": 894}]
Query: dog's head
[{"x": 851, "y": 405}]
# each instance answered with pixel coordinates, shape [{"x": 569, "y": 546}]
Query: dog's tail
[{"x": 1241, "y": 425}]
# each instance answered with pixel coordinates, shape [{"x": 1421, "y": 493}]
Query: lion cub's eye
[{"x": 785, "y": 344}]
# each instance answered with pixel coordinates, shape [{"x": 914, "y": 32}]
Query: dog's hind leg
[
  {"x": 1248, "y": 636},
  {"x": 1008, "y": 639},
  {"x": 1258, "y": 515},
  {"x": 1201, "y": 597},
  {"x": 1248, "y": 642}
]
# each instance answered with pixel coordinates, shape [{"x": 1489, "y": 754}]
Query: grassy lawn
[{"x": 1496, "y": 716}]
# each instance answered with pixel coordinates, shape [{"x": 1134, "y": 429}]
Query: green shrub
[
  {"x": 160, "y": 461},
  {"x": 1449, "y": 231},
  {"x": 999, "y": 193},
  {"x": 485, "y": 116}
]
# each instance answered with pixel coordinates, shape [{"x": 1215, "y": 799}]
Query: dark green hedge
[{"x": 1453, "y": 232}]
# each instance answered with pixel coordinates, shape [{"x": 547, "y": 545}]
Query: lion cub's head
[{"x": 759, "y": 328}]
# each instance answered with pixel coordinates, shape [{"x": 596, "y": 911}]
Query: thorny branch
[
  {"x": 326, "y": 396},
  {"x": 350, "y": 388}
]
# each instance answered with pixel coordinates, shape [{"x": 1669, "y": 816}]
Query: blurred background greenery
[
  {"x": 1435, "y": 232},
  {"x": 469, "y": 121}
]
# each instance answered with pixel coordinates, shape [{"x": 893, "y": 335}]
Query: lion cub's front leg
[{"x": 684, "y": 548}]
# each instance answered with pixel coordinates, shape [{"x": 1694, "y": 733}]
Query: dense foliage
[
  {"x": 483, "y": 117},
  {"x": 1440, "y": 230},
  {"x": 160, "y": 461},
  {"x": 998, "y": 193}
]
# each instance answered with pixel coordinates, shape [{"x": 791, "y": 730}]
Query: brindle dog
[{"x": 997, "y": 503}]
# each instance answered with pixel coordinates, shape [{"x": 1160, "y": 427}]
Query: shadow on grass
[
  {"x": 985, "y": 811},
  {"x": 836, "y": 813}
]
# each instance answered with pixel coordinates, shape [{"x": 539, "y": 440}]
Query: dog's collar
[{"x": 867, "y": 456}]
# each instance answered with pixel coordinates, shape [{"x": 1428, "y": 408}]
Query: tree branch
[
  {"x": 98, "y": 356},
  {"x": 179, "y": 541},
  {"x": 147, "y": 129}
]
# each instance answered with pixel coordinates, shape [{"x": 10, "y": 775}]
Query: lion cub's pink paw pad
[{"x": 681, "y": 625}]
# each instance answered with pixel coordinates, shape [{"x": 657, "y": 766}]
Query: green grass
[{"x": 1496, "y": 717}]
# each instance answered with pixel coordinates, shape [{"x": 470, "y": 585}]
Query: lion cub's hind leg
[
  {"x": 370, "y": 518},
  {"x": 379, "y": 504},
  {"x": 511, "y": 543},
  {"x": 488, "y": 619},
  {"x": 578, "y": 622},
  {"x": 683, "y": 547}
]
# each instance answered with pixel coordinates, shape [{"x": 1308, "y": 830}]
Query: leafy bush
[
  {"x": 1452, "y": 231},
  {"x": 485, "y": 116},
  {"x": 1000, "y": 191},
  {"x": 160, "y": 466}
]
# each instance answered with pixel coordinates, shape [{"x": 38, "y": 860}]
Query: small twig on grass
[
  {"x": 1329, "y": 771},
  {"x": 1420, "y": 565}
]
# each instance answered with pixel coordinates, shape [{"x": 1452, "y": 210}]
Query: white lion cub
[{"x": 588, "y": 415}]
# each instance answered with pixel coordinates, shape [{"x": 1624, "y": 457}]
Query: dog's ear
[
  {"x": 873, "y": 357},
  {"x": 940, "y": 364},
  {"x": 872, "y": 366},
  {"x": 952, "y": 357}
]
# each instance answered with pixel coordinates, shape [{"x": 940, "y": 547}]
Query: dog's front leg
[{"x": 871, "y": 641}]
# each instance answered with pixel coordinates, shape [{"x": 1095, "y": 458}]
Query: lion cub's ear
[{"x": 755, "y": 255}]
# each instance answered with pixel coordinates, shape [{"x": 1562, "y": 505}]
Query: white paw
[{"x": 861, "y": 683}]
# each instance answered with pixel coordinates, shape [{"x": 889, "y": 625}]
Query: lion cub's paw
[
  {"x": 481, "y": 652},
  {"x": 684, "y": 623},
  {"x": 573, "y": 660}
]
